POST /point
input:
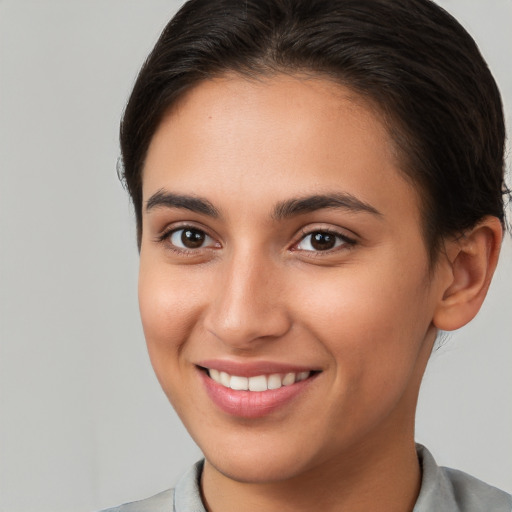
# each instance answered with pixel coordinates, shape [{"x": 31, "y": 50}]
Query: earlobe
[{"x": 472, "y": 259}]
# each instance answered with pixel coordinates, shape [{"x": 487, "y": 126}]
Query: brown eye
[
  {"x": 190, "y": 238},
  {"x": 322, "y": 241},
  {"x": 318, "y": 241}
]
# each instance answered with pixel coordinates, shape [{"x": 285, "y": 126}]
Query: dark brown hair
[{"x": 409, "y": 58}]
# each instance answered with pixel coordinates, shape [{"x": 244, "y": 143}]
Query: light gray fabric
[
  {"x": 442, "y": 490},
  {"x": 445, "y": 489},
  {"x": 185, "y": 497},
  {"x": 162, "y": 502}
]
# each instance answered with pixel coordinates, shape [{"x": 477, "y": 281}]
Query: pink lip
[
  {"x": 251, "y": 404},
  {"x": 252, "y": 369}
]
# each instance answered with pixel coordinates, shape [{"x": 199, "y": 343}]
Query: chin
[
  {"x": 273, "y": 462},
  {"x": 264, "y": 470}
]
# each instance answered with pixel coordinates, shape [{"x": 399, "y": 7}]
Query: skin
[{"x": 364, "y": 313}]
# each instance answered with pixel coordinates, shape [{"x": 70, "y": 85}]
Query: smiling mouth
[
  {"x": 257, "y": 383},
  {"x": 262, "y": 390}
]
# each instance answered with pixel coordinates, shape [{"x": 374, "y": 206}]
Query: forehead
[{"x": 242, "y": 140}]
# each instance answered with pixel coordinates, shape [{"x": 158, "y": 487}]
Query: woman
[{"x": 318, "y": 187}]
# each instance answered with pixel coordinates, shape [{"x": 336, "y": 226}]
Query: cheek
[
  {"x": 167, "y": 313},
  {"x": 372, "y": 322},
  {"x": 364, "y": 304}
]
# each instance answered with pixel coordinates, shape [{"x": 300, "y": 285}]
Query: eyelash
[
  {"x": 345, "y": 241},
  {"x": 165, "y": 237}
]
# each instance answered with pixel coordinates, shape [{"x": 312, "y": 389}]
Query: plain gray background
[{"x": 83, "y": 423}]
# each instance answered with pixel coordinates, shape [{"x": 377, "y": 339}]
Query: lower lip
[{"x": 251, "y": 404}]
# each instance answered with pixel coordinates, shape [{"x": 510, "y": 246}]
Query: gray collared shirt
[{"x": 442, "y": 490}]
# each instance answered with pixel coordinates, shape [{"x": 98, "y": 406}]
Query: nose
[{"x": 248, "y": 305}]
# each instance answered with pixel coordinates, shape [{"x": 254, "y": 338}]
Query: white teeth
[
  {"x": 274, "y": 381},
  {"x": 215, "y": 375},
  {"x": 257, "y": 383},
  {"x": 239, "y": 383},
  {"x": 289, "y": 379},
  {"x": 225, "y": 379}
]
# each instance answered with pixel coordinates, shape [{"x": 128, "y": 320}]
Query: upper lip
[{"x": 253, "y": 368}]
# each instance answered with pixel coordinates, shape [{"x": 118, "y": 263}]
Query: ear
[{"x": 472, "y": 260}]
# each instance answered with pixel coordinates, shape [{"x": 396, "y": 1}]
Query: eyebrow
[
  {"x": 282, "y": 210},
  {"x": 308, "y": 204},
  {"x": 164, "y": 199}
]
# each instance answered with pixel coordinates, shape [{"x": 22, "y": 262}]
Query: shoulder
[
  {"x": 452, "y": 490},
  {"x": 161, "y": 502},
  {"x": 185, "y": 496},
  {"x": 473, "y": 494}
]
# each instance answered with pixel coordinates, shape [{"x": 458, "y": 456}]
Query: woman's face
[{"x": 279, "y": 238}]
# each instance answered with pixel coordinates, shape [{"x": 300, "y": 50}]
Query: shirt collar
[
  {"x": 434, "y": 493},
  {"x": 187, "y": 494}
]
